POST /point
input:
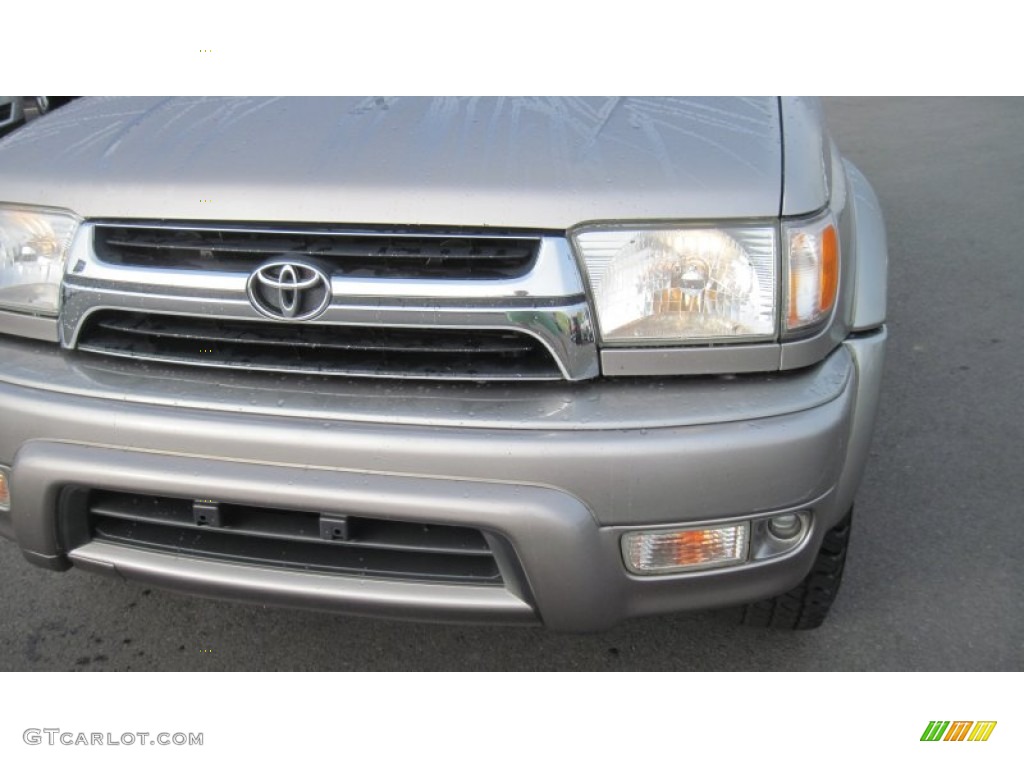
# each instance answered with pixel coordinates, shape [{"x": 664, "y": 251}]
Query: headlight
[
  {"x": 659, "y": 285},
  {"x": 33, "y": 250}
]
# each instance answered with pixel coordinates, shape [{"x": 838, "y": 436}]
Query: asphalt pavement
[{"x": 934, "y": 576}]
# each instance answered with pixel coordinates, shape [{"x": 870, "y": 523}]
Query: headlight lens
[
  {"x": 682, "y": 285},
  {"x": 33, "y": 251},
  {"x": 813, "y": 253}
]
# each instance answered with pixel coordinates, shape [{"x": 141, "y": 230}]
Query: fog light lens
[
  {"x": 785, "y": 526},
  {"x": 5, "y": 491},
  {"x": 655, "y": 552}
]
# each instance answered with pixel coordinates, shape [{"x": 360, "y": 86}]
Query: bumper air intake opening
[{"x": 279, "y": 538}]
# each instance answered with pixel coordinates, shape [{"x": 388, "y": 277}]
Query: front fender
[{"x": 871, "y": 254}]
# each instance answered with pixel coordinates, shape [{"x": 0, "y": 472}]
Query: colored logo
[
  {"x": 289, "y": 290},
  {"x": 958, "y": 730}
]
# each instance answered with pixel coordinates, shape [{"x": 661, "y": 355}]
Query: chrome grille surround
[{"x": 547, "y": 302}]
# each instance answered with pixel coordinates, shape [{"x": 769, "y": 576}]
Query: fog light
[
  {"x": 784, "y": 526},
  {"x": 778, "y": 534},
  {"x": 655, "y": 552},
  {"x": 5, "y": 491}
]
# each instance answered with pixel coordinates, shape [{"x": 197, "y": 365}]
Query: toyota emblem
[{"x": 289, "y": 290}]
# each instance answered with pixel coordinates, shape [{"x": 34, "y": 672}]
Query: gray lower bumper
[{"x": 560, "y": 492}]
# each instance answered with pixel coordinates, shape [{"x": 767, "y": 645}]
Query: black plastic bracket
[
  {"x": 334, "y": 527},
  {"x": 206, "y": 512}
]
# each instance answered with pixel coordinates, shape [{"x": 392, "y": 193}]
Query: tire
[{"x": 807, "y": 604}]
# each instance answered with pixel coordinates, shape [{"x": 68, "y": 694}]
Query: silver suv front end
[{"x": 446, "y": 428}]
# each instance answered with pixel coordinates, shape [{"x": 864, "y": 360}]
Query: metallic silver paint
[
  {"x": 574, "y": 577},
  {"x": 545, "y": 163},
  {"x": 675, "y": 361},
  {"x": 619, "y": 475},
  {"x": 97, "y": 385},
  {"x": 870, "y": 290},
  {"x": 869, "y": 357},
  {"x": 295, "y": 589},
  {"x": 29, "y": 326},
  {"x": 807, "y": 165},
  {"x": 607, "y": 597},
  {"x": 625, "y": 476},
  {"x": 554, "y": 473}
]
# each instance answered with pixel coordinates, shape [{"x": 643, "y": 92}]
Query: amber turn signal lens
[
  {"x": 661, "y": 551},
  {"x": 813, "y": 263},
  {"x": 829, "y": 269},
  {"x": 5, "y": 491}
]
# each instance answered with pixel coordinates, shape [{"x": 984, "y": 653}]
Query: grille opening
[
  {"x": 281, "y": 538},
  {"x": 384, "y": 255},
  {"x": 311, "y": 348}
]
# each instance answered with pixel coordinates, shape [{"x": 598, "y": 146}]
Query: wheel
[{"x": 807, "y": 604}]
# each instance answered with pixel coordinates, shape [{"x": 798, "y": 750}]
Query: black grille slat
[
  {"x": 294, "y": 525},
  {"x": 310, "y": 348},
  {"x": 384, "y": 255},
  {"x": 330, "y": 337},
  {"x": 438, "y": 249},
  {"x": 290, "y": 539}
]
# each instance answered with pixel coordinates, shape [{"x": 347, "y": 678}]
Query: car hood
[{"x": 545, "y": 163}]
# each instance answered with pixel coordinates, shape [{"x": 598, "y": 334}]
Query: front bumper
[{"x": 555, "y": 473}]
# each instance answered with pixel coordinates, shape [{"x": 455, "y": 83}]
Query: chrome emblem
[{"x": 289, "y": 290}]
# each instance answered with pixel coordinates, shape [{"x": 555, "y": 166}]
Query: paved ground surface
[{"x": 934, "y": 577}]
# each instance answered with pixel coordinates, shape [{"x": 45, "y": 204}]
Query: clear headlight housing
[
  {"x": 679, "y": 285},
  {"x": 33, "y": 251}
]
